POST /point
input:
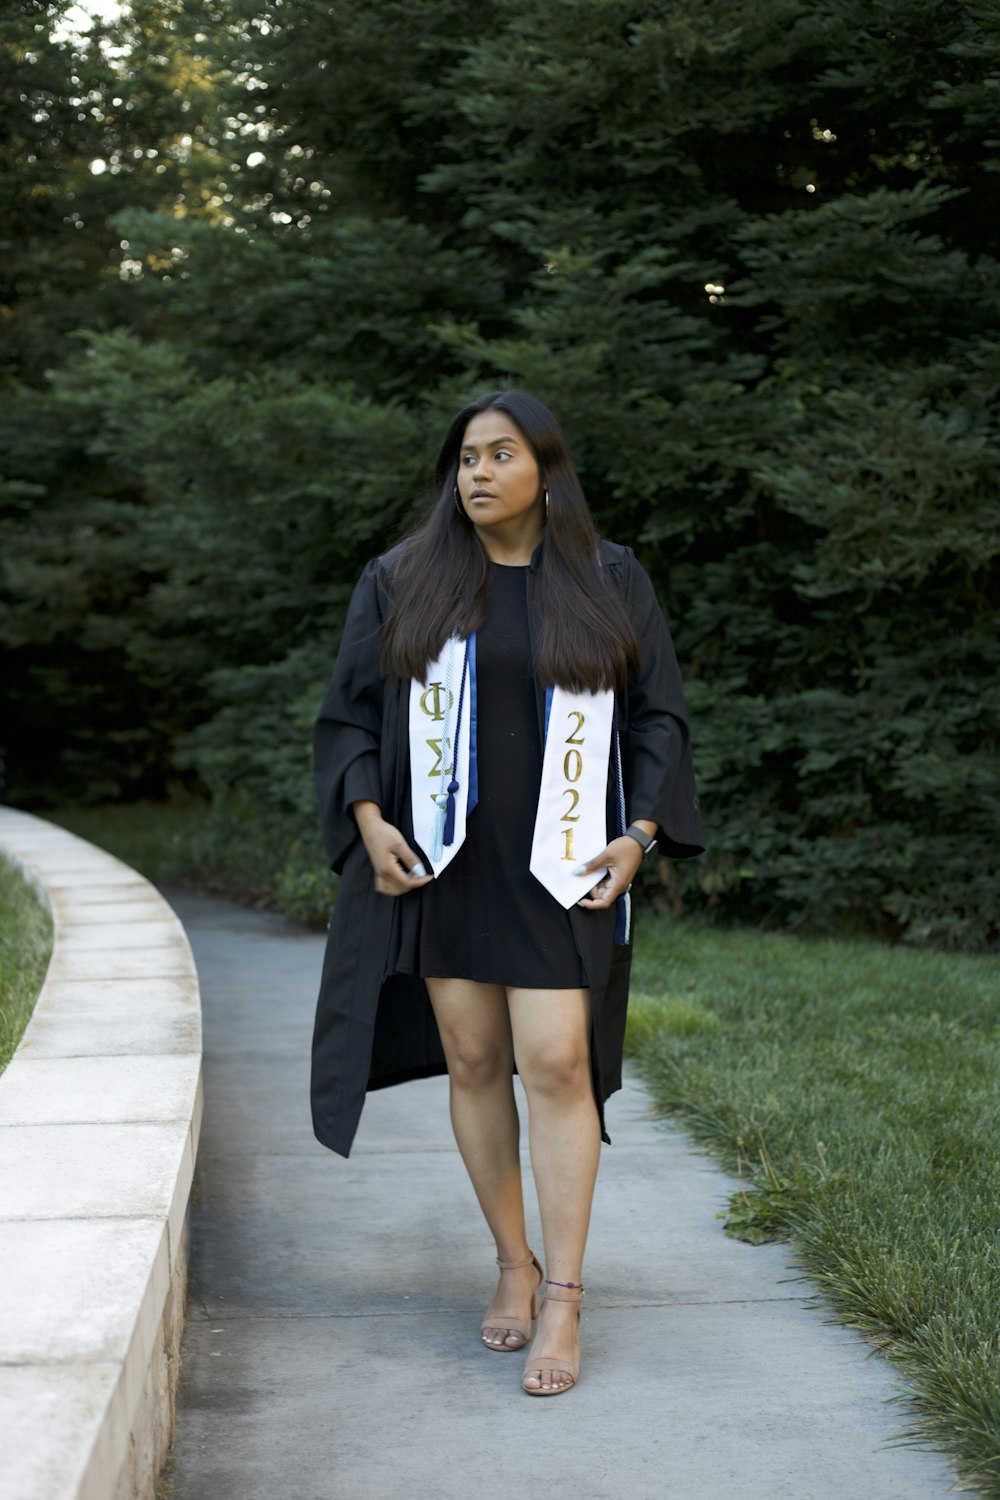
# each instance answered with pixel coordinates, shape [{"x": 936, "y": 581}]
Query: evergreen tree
[
  {"x": 92, "y": 122},
  {"x": 744, "y": 254}
]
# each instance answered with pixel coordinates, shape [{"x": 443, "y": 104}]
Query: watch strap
[{"x": 646, "y": 841}]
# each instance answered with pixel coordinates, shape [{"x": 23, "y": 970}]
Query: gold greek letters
[
  {"x": 436, "y": 691},
  {"x": 435, "y": 745}
]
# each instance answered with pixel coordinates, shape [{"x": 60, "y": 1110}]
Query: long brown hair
[{"x": 586, "y": 641}]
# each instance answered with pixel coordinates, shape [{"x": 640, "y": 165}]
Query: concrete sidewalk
[{"x": 332, "y": 1351}]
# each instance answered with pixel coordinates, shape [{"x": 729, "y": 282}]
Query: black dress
[
  {"x": 486, "y": 917},
  {"x": 374, "y": 1022}
]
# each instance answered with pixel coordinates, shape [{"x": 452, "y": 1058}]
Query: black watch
[{"x": 646, "y": 841}]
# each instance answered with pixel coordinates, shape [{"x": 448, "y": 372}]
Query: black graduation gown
[{"x": 374, "y": 1026}]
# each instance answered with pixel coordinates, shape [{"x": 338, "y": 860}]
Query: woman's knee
[
  {"x": 475, "y": 1062},
  {"x": 557, "y": 1070}
]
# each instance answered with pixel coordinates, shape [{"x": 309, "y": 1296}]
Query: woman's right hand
[{"x": 397, "y": 868}]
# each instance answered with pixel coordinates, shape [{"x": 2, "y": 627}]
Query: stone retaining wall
[{"x": 100, "y": 1111}]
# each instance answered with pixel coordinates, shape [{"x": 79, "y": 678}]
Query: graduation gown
[{"x": 374, "y": 1025}]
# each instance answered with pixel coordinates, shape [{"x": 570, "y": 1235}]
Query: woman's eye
[{"x": 501, "y": 453}]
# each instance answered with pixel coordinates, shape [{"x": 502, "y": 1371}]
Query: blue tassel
[{"x": 449, "y": 814}]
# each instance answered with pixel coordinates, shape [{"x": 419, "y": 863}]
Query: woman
[{"x": 505, "y": 698}]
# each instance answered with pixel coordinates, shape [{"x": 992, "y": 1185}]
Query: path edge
[{"x": 100, "y": 1116}]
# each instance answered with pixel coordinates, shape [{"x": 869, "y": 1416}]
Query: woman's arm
[
  {"x": 659, "y": 777},
  {"x": 347, "y": 742},
  {"x": 396, "y": 867}
]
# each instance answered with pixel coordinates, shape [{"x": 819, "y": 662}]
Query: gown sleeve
[
  {"x": 348, "y": 731},
  {"x": 658, "y": 758}
]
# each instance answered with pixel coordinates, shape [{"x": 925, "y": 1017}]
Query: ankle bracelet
[{"x": 571, "y": 1286}]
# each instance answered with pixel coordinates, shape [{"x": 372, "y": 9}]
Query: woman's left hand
[{"x": 622, "y": 858}]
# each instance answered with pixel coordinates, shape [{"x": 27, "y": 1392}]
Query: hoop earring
[
  {"x": 458, "y": 504},
  {"x": 546, "y": 505}
]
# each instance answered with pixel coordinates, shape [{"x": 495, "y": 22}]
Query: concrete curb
[{"x": 100, "y": 1113}]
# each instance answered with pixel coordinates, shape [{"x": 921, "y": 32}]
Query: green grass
[
  {"x": 155, "y": 838},
  {"x": 856, "y": 1088},
  {"x": 25, "y": 946},
  {"x": 232, "y": 848}
]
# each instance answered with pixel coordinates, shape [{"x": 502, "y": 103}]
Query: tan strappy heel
[
  {"x": 502, "y": 1320},
  {"x": 558, "y": 1291}
]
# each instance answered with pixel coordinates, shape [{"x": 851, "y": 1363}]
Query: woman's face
[{"x": 498, "y": 476}]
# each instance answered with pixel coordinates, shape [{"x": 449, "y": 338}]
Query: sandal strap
[
  {"x": 517, "y": 1265},
  {"x": 560, "y": 1364},
  {"x": 511, "y": 1325},
  {"x": 561, "y": 1367},
  {"x": 504, "y": 1320}
]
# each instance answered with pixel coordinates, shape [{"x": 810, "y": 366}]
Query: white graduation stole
[
  {"x": 441, "y": 708},
  {"x": 570, "y": 821}
]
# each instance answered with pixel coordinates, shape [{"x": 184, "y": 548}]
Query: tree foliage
[{"x": 744, "y": 252}]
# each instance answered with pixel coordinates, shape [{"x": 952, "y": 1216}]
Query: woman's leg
[
  {"x": 551, "y": 1036},
  {"x": 474, "y": 1023}
]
